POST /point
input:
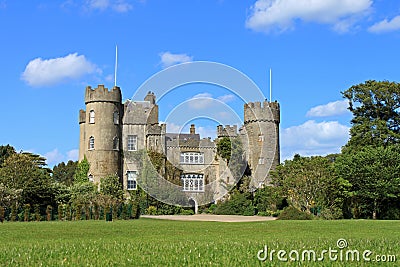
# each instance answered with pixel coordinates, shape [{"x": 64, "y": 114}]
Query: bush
[
  {"x": 186, "y": 212},
  {"x": 151, "y": 210},
  {"x": 291, "y": 213},
  {"x": 238, "y": 204}
]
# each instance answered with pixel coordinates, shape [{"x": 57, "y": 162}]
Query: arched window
[
  {"x": 116, "y": 143},
  {"x": 90, "y": 177},
  {"x": 91, "y": 143},
  {"x": 116, "y": 117},
  {"x": 91, "y": 116}
]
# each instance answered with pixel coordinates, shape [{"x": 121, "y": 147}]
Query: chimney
[{"x": 192, "y": 129}]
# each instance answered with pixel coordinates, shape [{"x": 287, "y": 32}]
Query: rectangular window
[
  {"x": 193, "y": 182},
  {"x": 132, "y": 142},
  {"x": 116, "y": 117},
  {"x": 91, "y": 116},
  {"x": 132, "y": 183},
  {"x": 192, "y": 158},
  {"x": 260, "y": 160},
  {"x": 91, "y": 143}
]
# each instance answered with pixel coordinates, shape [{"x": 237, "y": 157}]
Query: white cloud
[
  {"x": 120, "y": 6},
  {"x": 227, "y": 98},
  {"x": 267, "y": 15},
  {"x": 313, "y": 138},
  {"x": 169, "y": 59},
  {"x": 330, "y": 109},
  {"x": 53, "y": 157},
  {"x": 386, "y": 26},
  {"x": 207, "y": 131},
  {"x": 45, "y": 72},
  {"x": 201, "y": 101},
  {"x": 73, "y": 154}
]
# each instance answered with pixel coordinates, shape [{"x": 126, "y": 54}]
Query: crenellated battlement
[
  {"x": 102, "y": 94},
  {"x": 227, "y": 131},
  {"x": 267, "y": 111}
]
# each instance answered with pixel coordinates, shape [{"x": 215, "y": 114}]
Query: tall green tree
[
  {"x": 28, "y": 172},
  {"x": 5, "y": 152},
  {"x": 111, "y": 186},
  {"x": 81, "y": 172},
  {"x": 64, "y": 173},
  {"x": 376, "y": 118},
  {"x": 309, "y": 182},
  {"x": 374, "y": 174}
]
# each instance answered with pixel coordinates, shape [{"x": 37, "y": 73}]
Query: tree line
[{"x": 363, "y": 181}]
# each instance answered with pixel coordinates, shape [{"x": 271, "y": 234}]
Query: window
[
  {"x": 192, "y": 158},
  {"x": 260, "y": 138},
  {"x": 193, "y": 182},
  {"x": 90, "y": 177},
  {"x": 260, "y": 160},
  {"x": 116, "y": 143},
  {"x": 132, "y": 142},
  {"x": 91, "y": 143},
  {"x": 132, "y": 183},
  {"x": 116, "y": 117},
  {"x": 91, "y": 116}
]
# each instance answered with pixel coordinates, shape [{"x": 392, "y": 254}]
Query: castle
[{"x": 112, "y": 131}]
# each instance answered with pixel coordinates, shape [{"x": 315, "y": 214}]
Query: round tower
[
  {"x": 261, "y": 123},
  {"x": 100, "y": 132}
]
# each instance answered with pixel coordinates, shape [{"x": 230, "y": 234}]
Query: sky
[{"x": 51, "y": 50}]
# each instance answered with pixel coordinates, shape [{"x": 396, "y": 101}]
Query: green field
[{"x": 147, "y": 242}]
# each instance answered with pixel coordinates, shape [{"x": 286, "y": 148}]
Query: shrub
[
  {"x": 186, "y": 212},
  {"x": 151, "y": 210},
  {"x": 291, "y": 213},
  {"x": 27, "y": 209}
]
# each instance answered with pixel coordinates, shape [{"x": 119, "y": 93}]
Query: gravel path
[{"x": 210, "y": 218}]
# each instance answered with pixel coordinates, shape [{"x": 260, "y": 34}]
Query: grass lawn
[{"x": 148, "y": 242}]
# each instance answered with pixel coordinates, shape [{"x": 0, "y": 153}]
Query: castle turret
[
  {"x": 100, "y": 131},
  {"x": 261, "y": 123}
]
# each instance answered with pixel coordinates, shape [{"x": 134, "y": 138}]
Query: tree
[
  {"x": 111, "y": 186},
  {"x": 374, "y": 175},
  {"x": 309, "y": 183},
  {"x": 64, "y": 173},
  {"x": 27, "y": 172},
  {"x": 81, "y": 173},
  {"x": 375, "y": 107},
  {"x": 224, "y": 148},
  {"x": 5, "y": 152}
]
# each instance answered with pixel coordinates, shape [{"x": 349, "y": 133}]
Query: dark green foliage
[
  {"x": 27, "y": 212},
  {"x": 310, "y": 183},
  {"x": 292, "y": 213},
  {"x": 5, "y": 152},
  {"x": 64, "y": 173},
  {"x": 237, "y": 204},
  {"x": 224, "y": 148},
  {"x": 374, "y": 175},
  {"x": 38, "y": 217},
  {"x": 111, "y": 186},
  {"x": 376, "y": 114},
  {"x": 26, "y": 172}
]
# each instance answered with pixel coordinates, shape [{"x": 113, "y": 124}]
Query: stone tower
[
  {"x": 101, "y": 132},
  {"x": 261, "y": 125}
]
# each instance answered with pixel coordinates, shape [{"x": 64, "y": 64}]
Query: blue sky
[{"x": 51, "y": 50}]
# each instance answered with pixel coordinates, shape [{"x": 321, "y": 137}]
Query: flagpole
[
  {"x": 270, "y": 85},
  {"x": 116, "y": 65}
]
